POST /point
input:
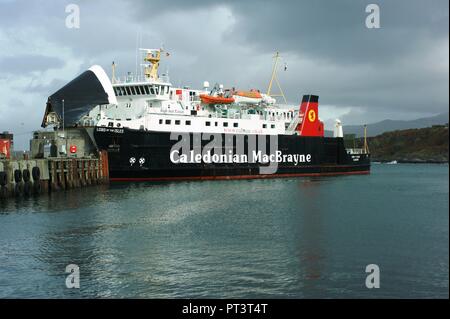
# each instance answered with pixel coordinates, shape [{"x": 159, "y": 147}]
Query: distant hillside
[
  {"x": 414, "y": 145},
  {"x": 393, "y": 125}
]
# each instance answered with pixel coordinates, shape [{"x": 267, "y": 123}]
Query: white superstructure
[{"x": 153, "y": 104}]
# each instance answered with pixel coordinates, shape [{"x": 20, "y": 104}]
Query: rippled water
[{"x": 279, "y": 238}]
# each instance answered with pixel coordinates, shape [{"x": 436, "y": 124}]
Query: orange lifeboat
[
  {"x": 250, "y": 94},
  {"x": 209, "y": 99},
  {"x": 247, "y": 97}
]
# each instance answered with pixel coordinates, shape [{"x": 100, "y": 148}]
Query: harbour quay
[{"x": 57, "y": 161}]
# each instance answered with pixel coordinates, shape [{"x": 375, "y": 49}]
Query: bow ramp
[{"x": 78, "y": 97}]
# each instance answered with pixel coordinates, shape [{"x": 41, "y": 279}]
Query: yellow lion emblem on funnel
[{"x": 311, "y": 116}]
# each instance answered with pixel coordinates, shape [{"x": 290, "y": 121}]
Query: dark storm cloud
[
  {"x": 336, "y": 31},
  {"x": 331, "y": 30},
  {"x": 399, "y": 71},
  {"x": 399, "y": 67}
]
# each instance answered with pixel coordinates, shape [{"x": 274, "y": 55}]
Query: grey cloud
[
  {"x": 384, "y": 71},
  {"x": 44, "y": 89},
  {"x": 330, "y": 30},
  {"x": 398, "y": 71},
  {"x": 26, "y": 63}
]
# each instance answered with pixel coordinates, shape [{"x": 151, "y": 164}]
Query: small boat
[
  {"x": 251, "y": 94},
  {"x": 210, "y": 99},
  {"x": 392, "y": 162},
  {"x": 248, "y": 97}
]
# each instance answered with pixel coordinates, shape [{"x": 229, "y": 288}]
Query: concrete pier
[{"x": 27, "y": 177}]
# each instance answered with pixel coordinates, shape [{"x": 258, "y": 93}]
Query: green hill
[{"x": 424, "y": 145}]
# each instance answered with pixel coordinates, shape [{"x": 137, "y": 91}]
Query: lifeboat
[
  {"x": 209, "y": 99},
  {"x": 251, "y": 94},
  {"x": 248, "y": 97},
  {"x": 267, "y": 99}
]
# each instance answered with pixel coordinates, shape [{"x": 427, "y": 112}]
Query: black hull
[{"x": 328, "y": 157}]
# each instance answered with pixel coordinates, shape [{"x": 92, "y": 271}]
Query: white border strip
[{"x": 105, "y": 82}]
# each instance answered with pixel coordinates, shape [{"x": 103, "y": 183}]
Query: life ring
[{"x": 198, "y": 107}]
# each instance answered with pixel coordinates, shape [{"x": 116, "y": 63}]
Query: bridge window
[
  {"x": 177, "y": 122},
  {"x": 208, "y": 123},
  {"x": 235, "y": 125},
  {"x": 188, "y": 122},
  {"x": 128, "y": 90},
  {"x": 167, "y": 121},
  {"x": 272, "y": 126},
  {"x": 264, "y": 125},
  {"x": 225, "y": 124}
]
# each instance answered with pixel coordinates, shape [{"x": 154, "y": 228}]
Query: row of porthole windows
[
  {"x": 207, "y": 123},
  {"x": 177, "y": 122},
  {"x": 188, "y": 122},
  {"x": 272, "y": 113}
]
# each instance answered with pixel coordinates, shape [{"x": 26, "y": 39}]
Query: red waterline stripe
[{"x": 192, "y": 178}]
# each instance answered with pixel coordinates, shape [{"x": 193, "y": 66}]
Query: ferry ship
[{"x": 155, "y": 131}]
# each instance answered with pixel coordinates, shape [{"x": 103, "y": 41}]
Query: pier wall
[{"x": 28, "y": 177}]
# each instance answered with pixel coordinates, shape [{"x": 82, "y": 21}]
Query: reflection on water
[
  {"x": 281, "y": 238},
  {"x": 312, "y": 229}
]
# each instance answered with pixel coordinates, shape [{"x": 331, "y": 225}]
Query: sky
[{"x": 362, "y": 75}]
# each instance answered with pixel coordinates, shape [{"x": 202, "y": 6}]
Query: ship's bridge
[{"x": 154, "y": 90}]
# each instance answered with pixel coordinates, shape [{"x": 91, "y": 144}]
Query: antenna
[
  {"x": 366, "y": 147},
  {"x": 63, "y": 127},
  {"x": 63, "y": 115},
  {"x": 275, "y": 78},
  {"x": 140, "y": 56},
  {"x": 113, "y": 77},
  {"x": 136, "y": 54}
]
